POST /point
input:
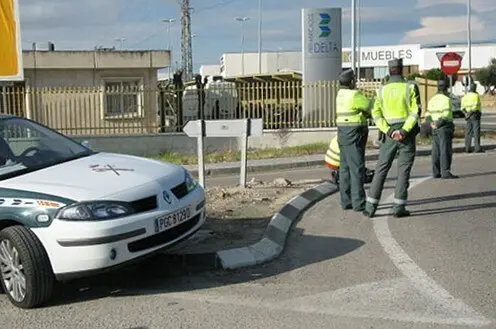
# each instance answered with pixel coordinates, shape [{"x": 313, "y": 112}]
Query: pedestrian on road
[
  {"x": 440, "y": 116},
  {"x": 353, "y": 111},
  {"x": 471, "y": 107},
  {"x": 396, "y": 113}
]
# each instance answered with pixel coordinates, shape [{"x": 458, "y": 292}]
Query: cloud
[{"x": 440, "y": 27}]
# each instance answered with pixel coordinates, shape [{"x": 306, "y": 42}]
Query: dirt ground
[{"x": 238, "y": 216}]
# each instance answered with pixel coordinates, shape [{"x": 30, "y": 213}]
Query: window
[
  {"x": 123, "y": 98},
  {"x": 26, "y": 146}
]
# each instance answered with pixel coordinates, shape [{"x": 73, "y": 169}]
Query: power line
[
  {"x": 148, "y": 37},
  {"x": 220, "y": 4}
]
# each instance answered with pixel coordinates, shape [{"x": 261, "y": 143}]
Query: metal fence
[{"x": 137, "y": 109}]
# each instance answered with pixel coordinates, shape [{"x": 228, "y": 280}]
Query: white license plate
[{"x": 173, "y": 219}]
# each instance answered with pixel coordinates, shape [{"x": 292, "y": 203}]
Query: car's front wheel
[{"x": 25, "y": 271}]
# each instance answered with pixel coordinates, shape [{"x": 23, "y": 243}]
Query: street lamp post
[
  {"x": 353, "y": 35},
  {"x": 242, "y": 20},
  {"x": 358, "y": 41},
  {"x": 169, "y": 21},
  {"x": 259, "y": 36},
  {"x": 469, "y": 45}
]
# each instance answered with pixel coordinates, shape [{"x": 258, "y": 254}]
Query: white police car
[{"x": 67, "y": 211}]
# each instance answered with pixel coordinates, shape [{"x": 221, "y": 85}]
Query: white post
[
  {"x": 201, "y": 159},
  {"x": 244, "y": 152},
  {"x": 259, "y": 36},
  {"x": 353, "y": 35}
]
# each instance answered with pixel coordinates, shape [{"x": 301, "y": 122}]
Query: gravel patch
[{"x": 238, "y": 217}]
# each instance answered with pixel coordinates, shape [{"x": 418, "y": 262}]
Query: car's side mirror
[{"x": 86, "y": 144}]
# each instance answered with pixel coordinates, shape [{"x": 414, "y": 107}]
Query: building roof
[{"x": 269, "y": 77}]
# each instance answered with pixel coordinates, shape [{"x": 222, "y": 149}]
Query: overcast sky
[{"x": 76, "y": 24}]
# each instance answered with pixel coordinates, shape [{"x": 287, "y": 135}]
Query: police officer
[
  {"x": 332, "y": 159},
  {"x": 352, "y": 109},
  {"x": 440, "y": 117},
  {"x": 396, "y": 113},
  {"x": 471, "y": 107}
]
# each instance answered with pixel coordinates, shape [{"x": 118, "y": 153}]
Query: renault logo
[{"x": 167, "y": 197}]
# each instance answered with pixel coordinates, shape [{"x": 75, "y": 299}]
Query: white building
[{"x": 373, "y": 60}]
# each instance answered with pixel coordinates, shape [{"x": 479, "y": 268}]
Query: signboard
[
  {"x": 11, "y": 68},
  {"x": 451, "y": 62},
  {"x": 379, "y": 56},
  {"x": 321, "y": 52},
  {"x": 223, "y": 128}
]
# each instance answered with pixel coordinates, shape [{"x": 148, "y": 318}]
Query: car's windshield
[{"x": 26, "y": 146}]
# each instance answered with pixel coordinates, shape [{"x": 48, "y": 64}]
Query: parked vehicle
[{"x": 67, "y": 211}]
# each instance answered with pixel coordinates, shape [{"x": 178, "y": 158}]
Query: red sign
[{"x": 451, "y": 63}]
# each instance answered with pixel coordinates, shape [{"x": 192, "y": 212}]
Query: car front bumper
[{"x": 78, "y": 249}]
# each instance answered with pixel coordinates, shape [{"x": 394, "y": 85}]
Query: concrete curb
[
  {"x": 234, "y": 169},
  {"x": 274, "y": 239}
]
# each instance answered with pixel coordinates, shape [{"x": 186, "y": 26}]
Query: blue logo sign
[{"x": 324, "y": 27}]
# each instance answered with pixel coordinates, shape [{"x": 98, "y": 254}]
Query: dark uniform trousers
[
  {"x": 442, "y": 150},
  {"x": 406, "y": 156},
  {"x": 352, "y": 144},
  {"x": 473, "y": 130}
]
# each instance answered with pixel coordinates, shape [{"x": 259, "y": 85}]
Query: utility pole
[
  {"x": 242, "y": 20},
  {"x": 186, "y": 48}
]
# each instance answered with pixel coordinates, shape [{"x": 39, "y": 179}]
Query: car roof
[{"x": 8, "y": 116}]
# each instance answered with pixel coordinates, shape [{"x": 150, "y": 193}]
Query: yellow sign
[{"x": 11, "y": 68}]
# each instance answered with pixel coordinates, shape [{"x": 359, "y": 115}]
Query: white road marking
[
  {"x": 411, "y": 270},
  {"x": 393, "y": 300}
]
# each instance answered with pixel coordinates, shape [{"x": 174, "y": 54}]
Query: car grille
[
  {"x": 180, "y": 190},
  {"x": 164, "y": 237},
  {"x": 145, "y": 204}
]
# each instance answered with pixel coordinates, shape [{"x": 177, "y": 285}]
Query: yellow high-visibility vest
[
  {"x": 439, "y": 107},
  {"x": 350, "y": 107},
  {"x": 396, "y": 103},
  {"x": 332, "y": 157},
  {"x": 471, "y": 102}
]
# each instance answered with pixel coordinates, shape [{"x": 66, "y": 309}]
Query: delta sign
[{"x": 11, "y": 68}]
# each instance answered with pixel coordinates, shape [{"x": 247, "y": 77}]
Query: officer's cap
[
  {"x": 396, "y": 63},
  {"x": 347, "y": 75},
  {"x": 442, "y": 84}
]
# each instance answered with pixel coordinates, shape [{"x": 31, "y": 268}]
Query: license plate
[{"x": 173, "y": 219}]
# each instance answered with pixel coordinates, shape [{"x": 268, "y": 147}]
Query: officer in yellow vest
[
  {"x": 471, "y": 107},
  {"x": 332, "y": 159},
  {"x": 439, "y": 114},
  {"x": 396, "y": 113},
  {"x": 353, "y": 111}
]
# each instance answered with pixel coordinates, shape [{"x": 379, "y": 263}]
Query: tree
[{"x": 487, "y": 75}]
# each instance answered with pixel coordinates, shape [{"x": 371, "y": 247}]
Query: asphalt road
[{"x": 436, "y": 269}]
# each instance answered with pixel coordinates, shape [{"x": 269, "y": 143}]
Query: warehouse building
[{"x": 373, "y": 60}]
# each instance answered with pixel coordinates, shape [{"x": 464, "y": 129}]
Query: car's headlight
[
  {"x": 97, "y": 210},
  {"x": 190, "y": 182}
]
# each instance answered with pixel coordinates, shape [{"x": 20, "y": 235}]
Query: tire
[{"x": 36, "y": 267}]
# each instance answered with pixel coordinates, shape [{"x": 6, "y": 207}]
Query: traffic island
[{"x": 249, "y": 226}]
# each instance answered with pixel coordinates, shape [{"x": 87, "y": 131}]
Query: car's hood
[{"x": 99, "y": 176}]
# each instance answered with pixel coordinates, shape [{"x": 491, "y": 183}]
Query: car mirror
[{"x": 86, "y": 144}]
